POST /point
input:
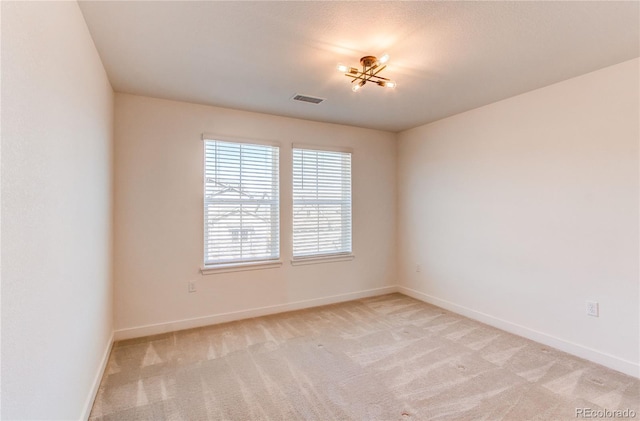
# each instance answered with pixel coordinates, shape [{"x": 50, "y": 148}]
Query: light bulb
[
  {"x": 342, "y": 68},
  {"x": 384, "y": 59},
  {"x": 357, "y": 87},
  {"x": 390, "y": 84}
]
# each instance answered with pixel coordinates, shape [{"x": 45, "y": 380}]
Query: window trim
[
  {"x": 327, "y": 148},
  {"x": 322, "y": 258},
  {"x": 326, "y": 257},
  {"x": 233, "y": 139},
  {"x": 210, "y": 269},
  {"x": 239, "y": 267}
]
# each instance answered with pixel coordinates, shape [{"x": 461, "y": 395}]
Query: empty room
[{"x": 261, "y": 210}]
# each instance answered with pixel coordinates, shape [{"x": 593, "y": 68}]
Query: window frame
[
  {"x": 240, "y": 265},
  {"x": 323, "y": 257}
]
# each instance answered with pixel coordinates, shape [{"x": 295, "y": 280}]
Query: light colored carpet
[{"x": 382, "y": 358}]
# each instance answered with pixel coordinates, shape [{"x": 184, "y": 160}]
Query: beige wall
[
  {"x": 159, "y": 218},
  {"x": 522, "y": 210},
  {"x": 57, "y": 109}
]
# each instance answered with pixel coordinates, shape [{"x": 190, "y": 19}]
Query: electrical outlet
[
  {"x": 593, "y": 309},
  {"x": 192, "y": 286},
  {"x": 418, "y": 267}
]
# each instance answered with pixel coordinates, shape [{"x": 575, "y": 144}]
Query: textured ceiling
[{"x": 447, "y": 57}]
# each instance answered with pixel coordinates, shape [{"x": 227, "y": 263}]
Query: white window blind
[
  {"x": 241, "y": 202},
  {"x": 321, "y": 202}
]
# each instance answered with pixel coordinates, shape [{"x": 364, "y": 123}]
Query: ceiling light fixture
[{"x": 371, "y": 66}]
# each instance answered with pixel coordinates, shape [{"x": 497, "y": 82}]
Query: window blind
[
  {"x": 321, "y": 202},
  {"x": 241, "y": 202}
]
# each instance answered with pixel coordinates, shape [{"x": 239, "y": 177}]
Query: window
[
  {"x": 241, "y": 203},
  {"x": 321, "y": 203}
]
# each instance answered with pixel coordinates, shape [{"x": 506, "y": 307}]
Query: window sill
[
  {"x": 238, "y": 267},
  {"x": 322, "y": 259}
]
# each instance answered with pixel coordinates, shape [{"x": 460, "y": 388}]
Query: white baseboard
[
  {"x": 607, "y": 360},
  {"x": 96, "y": 381},
  {"x": 154, "y": 329}
]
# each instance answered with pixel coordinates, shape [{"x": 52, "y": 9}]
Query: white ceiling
[{"x": 447, "y": 57}]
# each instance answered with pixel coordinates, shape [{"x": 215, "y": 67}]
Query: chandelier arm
[
  {"x": 374, "y": 79},
  {"x": 373, "y": 75},
  {"x": 368, "y": 78},
  {"x": 379, "y": 70},
  {"x": 359, "y": 76},
  {"x": 368, "y": 73}
]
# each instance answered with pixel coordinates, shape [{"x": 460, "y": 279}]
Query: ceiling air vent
[{"x": 306, "y": 98}]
